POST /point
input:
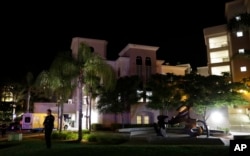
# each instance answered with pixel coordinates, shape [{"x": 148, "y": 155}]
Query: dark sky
[{"x": 32, "y": 34}]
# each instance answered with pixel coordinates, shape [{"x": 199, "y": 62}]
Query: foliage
[
  {"x": 57, "y": 82},
  {"x": 120, "y": 99},
  {"x": 212, "y": 91},
  {"x": 200, "y": 92},
  {"x": 106, "y": 138},
  {"x": 64, "y": 135},
  {"x": 166, "y": 92}
]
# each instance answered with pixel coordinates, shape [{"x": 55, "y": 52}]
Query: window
[
  {"x": 219, "y": 70},
  {"x": 27, "y": 119},
  {"x": 219, "y": 56},
  {"x": 142, "y": 119},
  {"x": 139, "y": 119},
  {"x": 139, "y": 93},
  {"x": 70, "y": 101},
  {"x": 139, "y": 66},
  {"x": 241, "y": 51},
  {"x": 146, "y": 120},
  {"x": 243, "y": 69},
  {"x": 239, "y": 33},
  {"x": 148, "y": 67},
  {"x": 138, "y": 60},
  {"x": 148, "y": 94},
  {"x": 217, "y": 42},
  {"x": 238, "y": 18}
]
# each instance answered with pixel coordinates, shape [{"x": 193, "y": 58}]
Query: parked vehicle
[{"x": 34, "y": 121}]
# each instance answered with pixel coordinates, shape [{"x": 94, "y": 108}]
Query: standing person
[{"x": 48, "y": 127}]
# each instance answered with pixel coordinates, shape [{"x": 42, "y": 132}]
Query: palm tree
[
  {"x": 90, "y": 63},
  {"x": 58, "y": 80},
  {"x": 30, "y": 81}
]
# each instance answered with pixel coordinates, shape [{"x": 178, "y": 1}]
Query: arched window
[
  {"x": 139, "y": 66},
  {"x": 148, "y": 61},
  {"x": 92, "y": 49},
  {"x": 148, "y": 67}
]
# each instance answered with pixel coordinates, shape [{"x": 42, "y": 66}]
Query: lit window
[
  {"x": 239, "y": 34},
  {"x": 243, "y": 69},
  {"x": 146, "y": 120},
  {"x": 217, "y": 42},
  {"x": 149, "y": 94},
  {"x": 219, "y": 56},
  {"x": 69, "y": 101},
  {"x": 241, "y": 51},
  {"x": 219, "y": 70},
  {"x": 238, "y": 18},
  {"x": 139, "y": 93},
  {"x": 138, "y": 119}
]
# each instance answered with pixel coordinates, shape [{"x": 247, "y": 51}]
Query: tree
[
  {"x": 165, "y": 92},
  {"x": 121, "y": 98},
  {"x": 30, "y": 82},
  {"x": 58, "y": 80},
  {"x": 88, "y": 63},
  {"x": 211, "y": 91},
  {"x": 18, "y": 97}
]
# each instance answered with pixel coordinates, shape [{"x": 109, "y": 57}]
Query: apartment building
[{"x": 227, "y": 50}]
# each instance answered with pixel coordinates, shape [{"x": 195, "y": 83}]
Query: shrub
[
  {"x": 64, "y": 135},
  {"x": 106, "y": 138}
]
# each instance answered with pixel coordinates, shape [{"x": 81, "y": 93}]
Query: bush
[
  {"x": 106, "y": 138},
  {"x": 64, "y": 135}
]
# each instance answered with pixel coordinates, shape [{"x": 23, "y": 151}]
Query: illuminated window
[
  {"x": 146, "y": 120},
  {"x": 139, "y": 93},
  {"x": 139, "y": 119},
  {"x": 238, "y": 18},
  {"x": 219, "y": 70},
  {"x": 70, "y": 101},
  {"x": 148, "y": 94},
  {"x": 219, "y": 56},
  {"x": 241, "y": 51},
  {"x": 217, "y": 42},
  {"x": 239, "y": 34},
  {"x": 243, "y": 69}
]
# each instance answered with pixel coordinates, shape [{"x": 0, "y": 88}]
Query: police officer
[{"x": 48, "y": 127}]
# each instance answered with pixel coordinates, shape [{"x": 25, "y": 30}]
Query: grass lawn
[{"x": 36, "y": 147}]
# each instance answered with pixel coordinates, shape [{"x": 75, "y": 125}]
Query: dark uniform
[{"x": 48, "y": 127}]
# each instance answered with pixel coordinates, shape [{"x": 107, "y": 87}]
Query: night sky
[{"x": 32, "y": 34}]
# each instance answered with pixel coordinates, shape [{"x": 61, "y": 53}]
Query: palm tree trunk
[
  {"x": 90, "y": 109},
  {"x": 87, "y": 113},
  {"x": 80, "y": 108},
  {"x": 28, "y": 101},
  {"x": 61, "y": 117}
]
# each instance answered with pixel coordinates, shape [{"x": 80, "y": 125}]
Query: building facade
[
  {"x": 227, "y": 51},
  {"x": 133, "y": 59}
]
